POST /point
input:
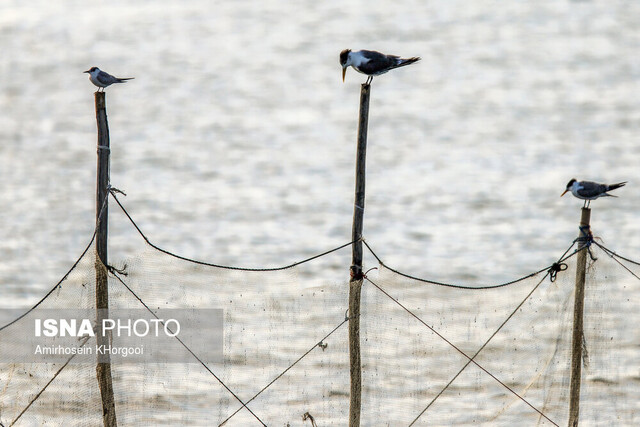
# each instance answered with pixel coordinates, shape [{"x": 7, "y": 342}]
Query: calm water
[{"x": 236, "y": 141}]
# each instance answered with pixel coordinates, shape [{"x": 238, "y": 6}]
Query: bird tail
[
  {"x": 126, "y": 78},
  {"x": 407, "y": 61},
  {"x": 618, "y": 185}
]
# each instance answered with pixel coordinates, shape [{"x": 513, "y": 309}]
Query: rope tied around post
[
  {"x": 586, "y": 235},
  {"x": 121, "y": 271},
  {"x": 360, "y": 275},
  {"x": 586, "y": 239},
  {"x": 114, "y": 190}
]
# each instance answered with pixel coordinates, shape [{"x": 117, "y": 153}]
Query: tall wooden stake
[
  {"x": 103, "y": 367},
  {"x": 355, "y": 284},
  {"x": 578, "y": 330}
]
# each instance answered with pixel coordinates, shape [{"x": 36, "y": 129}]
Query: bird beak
[
  {"x": 344, "y": 71},
  {"x": 86, "y": 71},
  {"x": 565, "y": 192}
]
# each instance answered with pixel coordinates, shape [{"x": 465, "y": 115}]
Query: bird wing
[
  {"x": 378, "y": 62},
  {"x": 592, "y": 189},
  {"x": 106, "y": 78}
]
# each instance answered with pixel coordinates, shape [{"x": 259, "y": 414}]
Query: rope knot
[
  {"x": 555, "y": 269},
  {"x": 359, "y": 275},
  {"x": 587, "y": 235},
  {"x": 122, "y": 271},
  {"x": 114, "y": 190},
  {"x": 586, "y": 239}
]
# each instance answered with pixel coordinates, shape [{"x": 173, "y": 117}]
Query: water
[{"x": 236, "y": 141}]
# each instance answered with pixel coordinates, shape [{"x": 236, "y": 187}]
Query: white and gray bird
[
  {"x": 588, "y": 190},
  {"x": 372, "y": 63},
  {"x": 103, "y": 79}
]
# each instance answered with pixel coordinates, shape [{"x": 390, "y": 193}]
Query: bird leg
[{"x": 369, "y": 80}]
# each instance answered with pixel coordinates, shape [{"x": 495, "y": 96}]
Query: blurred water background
[
  {"x": 236, "y": 140},
  {"x": 235, "y": 143}
]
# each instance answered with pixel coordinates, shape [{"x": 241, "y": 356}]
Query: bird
[
  {"x": 372, "y": 63},
  {"x": 589, "y": 190},
  {"x": 103, "y": 79}
]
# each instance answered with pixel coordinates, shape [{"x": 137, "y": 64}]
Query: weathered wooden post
[
  {"x": 103, "y": 367},
  {"x": 355, "y": 283},
  {"x": 578, "y": 310}
]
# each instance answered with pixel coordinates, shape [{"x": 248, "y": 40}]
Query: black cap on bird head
[
  {"x": 569, "y": 185},
  {"x": 344, "y": 55}
]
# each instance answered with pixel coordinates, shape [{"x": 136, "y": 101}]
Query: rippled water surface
[{"x": 235, "y": 143}]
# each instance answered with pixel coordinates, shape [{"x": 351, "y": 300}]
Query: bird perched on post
[
  {"x": 103, "y": 79},
  {"x": 588, "y": 190},
  {"x": 372, "y": 63}
]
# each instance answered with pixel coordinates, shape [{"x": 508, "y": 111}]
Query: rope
[
  {"x": 75, "y": 264},
  {"x": 471, "y": 359},
  {"x": 586, "y": 240},
  {"x": 615, "y": 257},
  {"x": 449, "y": 285},
  {"x": 55, "y": 287},
  {"x": 555, "y": 268},
  {"x": 559, "y": 263},
  {"x": 47, "y": 384},
  {"x": 551, "y": 271},
  {"x": 613, "y": 253},
  {"x": 244, "y": 405},
  {"x": 208, "y": 264},
  {"x": 319, "y": 344}
]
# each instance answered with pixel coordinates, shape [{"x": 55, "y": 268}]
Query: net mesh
[{"x": 286, "y": 348}]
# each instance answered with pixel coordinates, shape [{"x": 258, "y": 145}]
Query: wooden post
[
  {"x": 578, "y": 329},
  {"x": 355, "y": 283},
  {"x": 103, "y": 367}
]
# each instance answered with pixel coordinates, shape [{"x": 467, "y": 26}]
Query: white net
[{"x": 286, "y": 348}]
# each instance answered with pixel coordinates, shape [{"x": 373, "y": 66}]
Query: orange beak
[
  {"x": 565, "y": 192},
  {"x": 344, "y": 71}
]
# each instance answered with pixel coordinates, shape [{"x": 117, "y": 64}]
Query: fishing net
[{"x": 285, "y": 346}]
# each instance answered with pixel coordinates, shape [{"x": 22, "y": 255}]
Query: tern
[
  {"x": 588, "y": 190},
  {"x": 103, "y": 79},
  {"x": 372, "y": 63}
]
